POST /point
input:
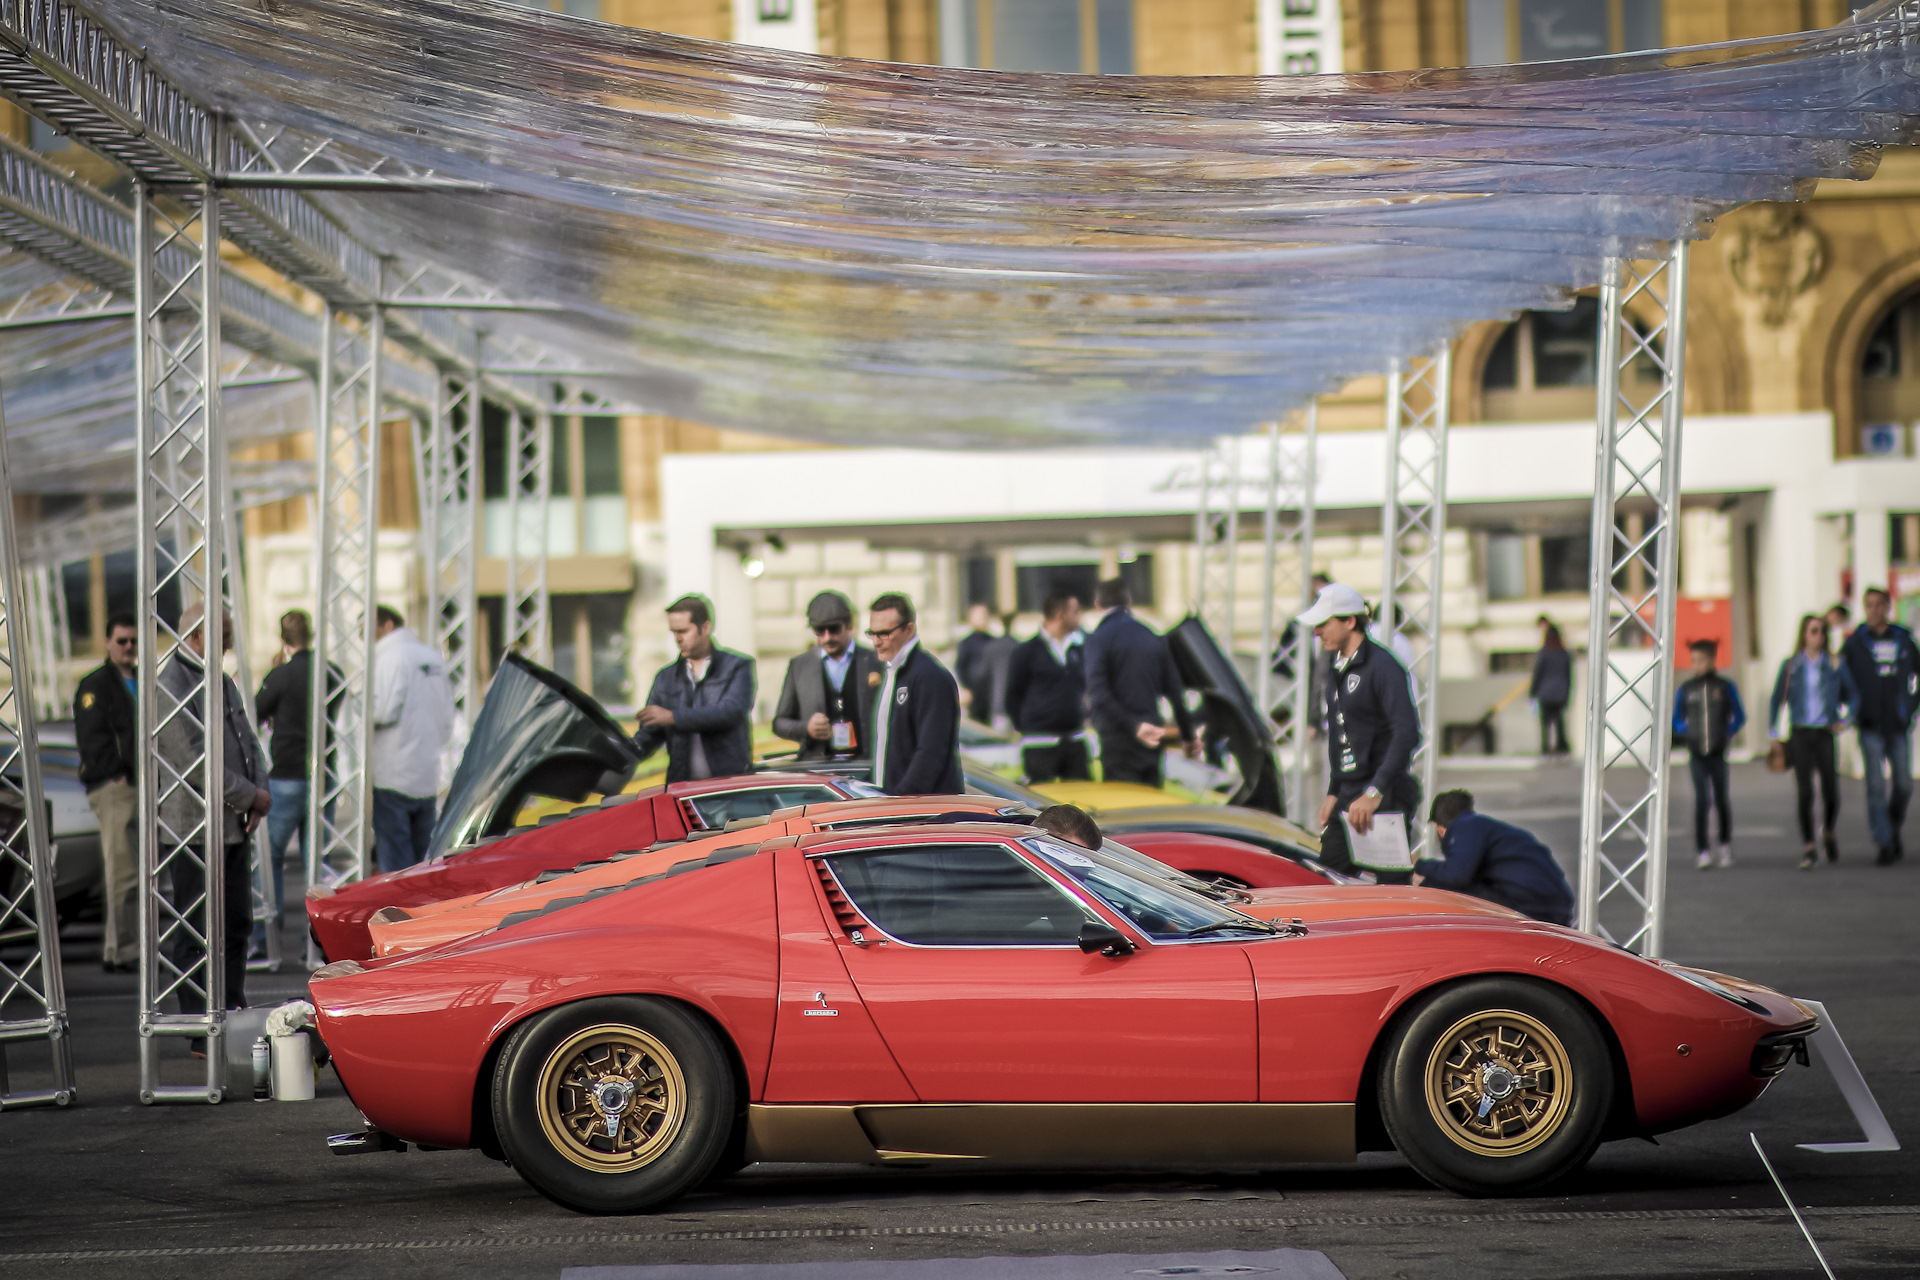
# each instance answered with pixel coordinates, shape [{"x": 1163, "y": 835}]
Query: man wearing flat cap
[{"x": 826, "y": 701}]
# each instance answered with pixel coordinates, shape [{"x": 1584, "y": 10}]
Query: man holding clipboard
[{"x": 1372, "y": 730}]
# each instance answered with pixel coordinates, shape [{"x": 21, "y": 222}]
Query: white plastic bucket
[{"x": 292, "y": 1068}]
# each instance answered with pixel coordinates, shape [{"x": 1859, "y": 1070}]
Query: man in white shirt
[{"x": 412, "y": 720}]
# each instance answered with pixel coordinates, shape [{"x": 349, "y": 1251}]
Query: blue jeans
[
  {"x": 1710, "y": 792},
  {"x": 402, "y": 828},
  {"x": 287, "y": 817},
  {"x": 1880, "y": 749}
]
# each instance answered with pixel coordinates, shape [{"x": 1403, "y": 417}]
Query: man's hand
[
  {"x": 1326, "y": 812},
  {"x": 1418, "y": 879},
  {"x": 1191, "y": 746},
  {"x": 966, "y": 698},
  {"x": 1360, "y": 813},
  {"x": 656, "y": 717},
  {"x": 819, "y": 727},
  {"x": 262, "y": 801},
  {"x": 1149, "y": 734}
]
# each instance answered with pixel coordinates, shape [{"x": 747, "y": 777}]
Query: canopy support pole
[
  {"x": 524, "y": 610},
  {"x": 1413, "y": 538},
  {"x": 447, "y": 534},
  {"x": 26, "y": 850},
  {"x": 1216, "y": 536},
  {"x": 180, "y": 473},
  {"x": 1631, "y": 592},
  {"x": 1283, "y": 681}
]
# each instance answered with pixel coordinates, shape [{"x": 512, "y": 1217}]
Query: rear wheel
[
  {"x": 1497, "y": 1087},
  {"x": 614, "y": 1105}
]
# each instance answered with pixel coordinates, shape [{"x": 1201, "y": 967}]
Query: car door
[{"x": 966, "y": 958}]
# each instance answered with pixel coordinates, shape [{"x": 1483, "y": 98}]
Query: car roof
[
  {"x": 887, "y": 806},
  {"x": 912, "y": 833},
  {"x": 751, "y": 782}
]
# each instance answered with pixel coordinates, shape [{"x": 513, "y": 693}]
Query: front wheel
[
  {"x": 614, "y": 1105},
  {"x": 1497, "y": 1087}
]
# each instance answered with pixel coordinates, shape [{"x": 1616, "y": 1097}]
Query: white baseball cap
[{"x": 1337, "y": 600}]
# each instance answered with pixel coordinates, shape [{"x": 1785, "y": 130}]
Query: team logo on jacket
[
  {"x": 900, "y": 698},
  {"x": 1353, "y": 683}
]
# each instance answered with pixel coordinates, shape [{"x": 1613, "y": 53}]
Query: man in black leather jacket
[
  {"x": 104, "y": 730},
  {"x": 701, "y": 704}
]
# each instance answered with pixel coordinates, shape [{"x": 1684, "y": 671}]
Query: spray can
[{"x": 262, "y": 1070}]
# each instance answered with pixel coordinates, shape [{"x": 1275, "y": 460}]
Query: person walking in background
[
  {"x": 1884, "y": 665},
  {"x": 701, "y": 704},
  {"x": 1495, "y": 861},
  {"x": 282, "y": 705},
  {"x": 826, "y": 700},
  {"x": 970, "y": 664},
  {"x": 412, "y": 721},
  {"x": 1707, "y": 712},
  {"x": 1817, "y": 693},
  {"x": 1846, "y": 744},
  {"x": 1047, "y": 694},
  {"x": 1129, "y": 673},
  {"x": 916, "y": 719},
  {"x": 1551, "y": 686},
  {"x": 106, "y": 732}
]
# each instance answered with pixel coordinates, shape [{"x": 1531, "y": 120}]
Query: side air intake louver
[{"x": 843, "y": 910}]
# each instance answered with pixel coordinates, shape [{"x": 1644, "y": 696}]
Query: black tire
[
  {"x": 672, "y": 1127},
  {"x": 1497, "y": 1087}
]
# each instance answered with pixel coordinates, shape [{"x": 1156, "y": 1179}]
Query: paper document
[{"x": 1384, "y": 846}]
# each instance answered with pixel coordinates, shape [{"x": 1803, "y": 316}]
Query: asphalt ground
[{"x": 109, "y": 1187}]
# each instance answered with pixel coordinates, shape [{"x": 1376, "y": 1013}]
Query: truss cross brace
[
  {"x": 1283, "y": 683},
  {"x": 525, "y": 613},
  {"x": 1216, "y": 538},
  {"x": 448, "y": 445}
]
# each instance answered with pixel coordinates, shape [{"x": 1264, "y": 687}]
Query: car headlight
[{"x": 1720, "y": 989}]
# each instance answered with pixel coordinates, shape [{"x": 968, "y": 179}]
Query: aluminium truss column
[
  {"x": 447, "y": 535},
  {"x": 1216, "y": 535},
  {"x": 523, "y": 613},
  {"x": 180, "y": 472},
  {"x": 340, "y": 706},
  {"x": 33, "y": 978},
  {"x": 1413, "y": 535},
  {"x": 1287, "y": 544},
  {"x": 1630, "y": 655}
]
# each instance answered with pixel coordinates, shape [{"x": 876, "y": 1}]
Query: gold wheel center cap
[
  {"x": 1497, "y": 1080},
  {"x": 611, "y": 1098}
]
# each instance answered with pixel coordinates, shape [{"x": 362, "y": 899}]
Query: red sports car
[{"x": 984, "y": 993}]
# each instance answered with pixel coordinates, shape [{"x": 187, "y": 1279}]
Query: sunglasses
[
  {"x": 127, "y": 640},
  {"x": 831, "y": 629}
]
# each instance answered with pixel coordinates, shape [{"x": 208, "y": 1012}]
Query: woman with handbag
[{"x": 1819, "y": 698}]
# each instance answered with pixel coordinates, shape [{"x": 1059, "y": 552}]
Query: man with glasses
[
  {"x": 104, "y": 729},
  {"x": 826, "y": 701},
  {"x": 916, "y": 720}
]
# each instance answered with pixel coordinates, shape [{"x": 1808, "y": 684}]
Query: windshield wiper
[{"x": 1221, "y": 926}]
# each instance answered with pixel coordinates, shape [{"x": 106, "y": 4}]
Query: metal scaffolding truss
[
  {"x": 1216, "y": 538},
  {"x": 345, "y": 550},
  {"x": 446, "y": 452},
  {"x": 524, "y": 611},
  {"x": 1630, "y": 654},
  {"x": 180, "y": 465},
  {"x": 44, "y": 622},
  {"x": 1284, "y": 679},
  {"x": 263, "y": 910},
  {"x": 1413, "y": 534},
  {"x": 26, "y": 852}
]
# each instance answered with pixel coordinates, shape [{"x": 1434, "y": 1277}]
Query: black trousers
[
  {"x": 1710, "y": 790},
  {"x": 188, "y": 884},
  {"x": 1553, "y": 725},
  {"x": 1065, "y": 760},
  {"x": 1811, "y": 750},
  {"x": 1402, "y": 796},
  {"x": 1124, "y": 758}
]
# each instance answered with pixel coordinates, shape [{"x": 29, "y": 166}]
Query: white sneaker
[
  {"x": 1705, "y": 862},
  {"x": 1726, "y": 855}
]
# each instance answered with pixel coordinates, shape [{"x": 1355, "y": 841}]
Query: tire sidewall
[
  {"x": 692, "y": 1153},
  {"x": 1441, "y": 1160}
]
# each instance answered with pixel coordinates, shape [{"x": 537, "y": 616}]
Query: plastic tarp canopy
[{"x": 870, "y": 252}]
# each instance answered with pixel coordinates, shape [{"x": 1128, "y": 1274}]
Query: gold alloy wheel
[
  {"x": 1499, "y": 1083},
  {"x": 612, "y": 1098}
]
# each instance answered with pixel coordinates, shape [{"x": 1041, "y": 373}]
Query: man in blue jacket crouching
[{"x": 1486, "y": 858}]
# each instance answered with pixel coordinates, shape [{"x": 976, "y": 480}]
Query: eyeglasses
[
  {"x": 832, "y": 629},
  {"x": 882, "y": 635},
  {"x": 126, "y": 640}
]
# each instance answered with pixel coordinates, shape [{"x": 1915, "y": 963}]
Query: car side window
[
  {"x": 717, "y": 810},
  {"x": 959, "y": 896}
]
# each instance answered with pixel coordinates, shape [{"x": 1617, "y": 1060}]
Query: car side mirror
[{"x": 1098, "y": 935}]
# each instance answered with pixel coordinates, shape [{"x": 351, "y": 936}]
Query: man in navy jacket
[
  {"x": 1885, "y": 666},
  {"x": 1486, "y": 858},
  {"x": 1047, "y": 694},
  {"x": 1129, "y": 671},
  {"x": 701, "y": 704},
  {"x": 916, "y": 718}
]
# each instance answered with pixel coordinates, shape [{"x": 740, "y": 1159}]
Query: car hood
[
  {"x": 1227, "y": 709},
  {"x": 1322, "y": 903},
  {"x": 537, "y": 735}
]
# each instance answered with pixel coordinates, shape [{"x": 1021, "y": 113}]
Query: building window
[
  {"x": 1137, "y": 573},
  {"x": 1038, "y": 35},
  {"x": 1889, "y": 386},
  {"x": 1506, "y": 566},
  {"x": 586, "y": 505},
  {"x": 1522, "y": 566},
  {"x": 1501, "y": 31},
  {"x": 979, "y": 583},
  {"x": 1544, "y": 366}
]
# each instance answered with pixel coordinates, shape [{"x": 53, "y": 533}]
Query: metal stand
[
  {"x": 1413, "y": 535},
  {"x": 446, "y": 470},
  {"x": 26, "y": 850},
  {"x": 1630, "y": 656},
  {"x": 341, "y": 700},
  {"x": 180, "y": 468},
  {"x": 1216, "y": 539},
  {"x": 1285, "y": 696},
  {"x": 525, "y": 610}
]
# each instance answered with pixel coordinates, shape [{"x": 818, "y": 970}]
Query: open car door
[{"x": 1228, "y": 710}]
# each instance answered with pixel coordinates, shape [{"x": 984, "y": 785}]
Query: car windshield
[
  {"x": 1158, "y": 870},
  {"x": 720, "y": 808},
  {"x": 1158, "y": 908}
]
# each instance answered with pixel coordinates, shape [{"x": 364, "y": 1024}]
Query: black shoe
[
  {"x": 1885, "y": 857},
  {"x": 1833, "y": 848},
  {"x": 1899, "y": 847},
  {"x": 1809, "y": 860}
]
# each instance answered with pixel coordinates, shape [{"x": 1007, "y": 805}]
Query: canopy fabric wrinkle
[{"x": 831, "y": 248}]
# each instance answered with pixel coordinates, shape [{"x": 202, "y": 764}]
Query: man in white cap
[{"x": 1372, "y": 724}]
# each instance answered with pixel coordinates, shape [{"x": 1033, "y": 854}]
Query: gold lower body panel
[{"x": 1057, "y": 1135}]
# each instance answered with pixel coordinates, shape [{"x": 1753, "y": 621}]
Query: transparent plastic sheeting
[{"x": 862, "y": 251}]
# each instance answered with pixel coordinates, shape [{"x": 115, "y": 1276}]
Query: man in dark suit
[
  {"x": 1129, "y": 671},
  {"x": 826, "y": 702},
  {"x": 916, "y": 719},
  {"x": 1047, "y": 694},
  {"x": 701, "y": 705},
  {"x": 109, "y": 743}
]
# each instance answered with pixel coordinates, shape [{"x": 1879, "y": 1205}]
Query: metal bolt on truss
[
  {"x": 1216, "y": 538},
  {"x": 1630, "y": 654},
  {"x": 1283, "y": 681},
  {"x": 1413, "y": 535},
  {"x": 340, "y": 703},
  {"x": 30, "y": 978},
  {"x": 180, "y": 473},
  {"x": 523, "y": 617}
]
